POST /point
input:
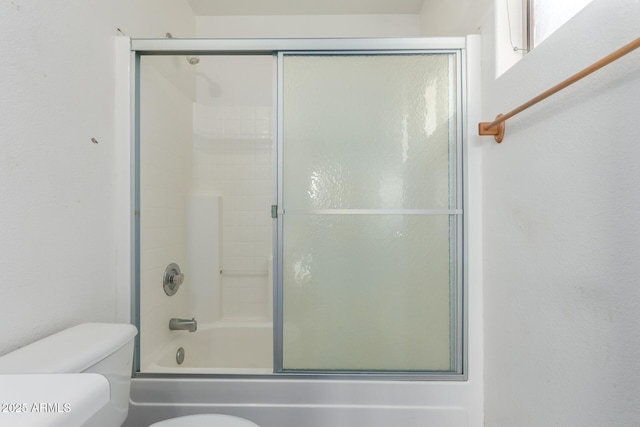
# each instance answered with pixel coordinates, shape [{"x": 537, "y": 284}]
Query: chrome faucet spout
[{"x": 183, "y": 325}]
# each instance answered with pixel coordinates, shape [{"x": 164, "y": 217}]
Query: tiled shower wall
[{"x": 232, "y": 159}]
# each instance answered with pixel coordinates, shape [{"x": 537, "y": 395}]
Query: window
[
  {"x": 522, "y": 25},
  {"x": 546, "y": 16}
]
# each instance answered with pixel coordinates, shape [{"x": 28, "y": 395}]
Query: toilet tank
[{"x": 103, "y": 348}]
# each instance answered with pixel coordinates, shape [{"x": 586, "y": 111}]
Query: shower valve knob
[
  {"x": 172, "y": 279},
  {"x": 176, "y": 279}
]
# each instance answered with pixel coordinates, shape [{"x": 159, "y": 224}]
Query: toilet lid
[{"x": 205, "y": 420}]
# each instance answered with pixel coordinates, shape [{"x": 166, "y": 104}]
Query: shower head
[{"x": 193, "y": 60}]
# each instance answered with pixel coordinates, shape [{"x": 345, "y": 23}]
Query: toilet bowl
[
  {"x": 105, "y": 349},
  {"x": 205, "y": 420}
]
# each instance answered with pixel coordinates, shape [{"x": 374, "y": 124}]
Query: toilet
[
  {"x": 106, "y": 349},
  {"x": 205, "y": 420}
]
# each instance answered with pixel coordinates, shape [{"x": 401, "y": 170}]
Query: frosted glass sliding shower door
[{"x": 370, "y": 212}]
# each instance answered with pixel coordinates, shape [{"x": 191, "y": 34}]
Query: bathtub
[
  {"x": 219, "y": 348},
  {"x": 308, "y": 403},
  {"x": 280, "y": 401},
  {"x": 270, "y": 400}
]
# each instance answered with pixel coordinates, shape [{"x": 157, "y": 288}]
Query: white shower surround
[{"x": 219, "y": 348}]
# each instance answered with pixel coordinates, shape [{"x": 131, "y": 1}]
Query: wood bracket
[{"x": 497, "y": 130}]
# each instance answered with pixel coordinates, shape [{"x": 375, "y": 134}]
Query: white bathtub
[
  {"x": 308, "y": 403},
  {"x": 277, "y": 401},
  {"x": 219, "y": 348}
]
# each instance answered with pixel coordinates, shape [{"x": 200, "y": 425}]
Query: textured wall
[
  {"x": 308, "y": 26},
  {"x": 56, "y": 187},
  {"x": 440, "y": 18},
  {"x": 561, "y": 232}
]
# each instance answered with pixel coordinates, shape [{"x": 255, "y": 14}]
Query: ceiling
[{"x": 304, "y": 7}]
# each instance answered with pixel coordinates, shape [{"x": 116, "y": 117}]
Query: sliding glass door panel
[
  {"x": 366, "y": 292},
  {"x": 368, "y": 131},
  {"x": 370, "y": 212}
]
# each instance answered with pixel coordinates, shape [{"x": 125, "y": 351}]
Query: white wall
[
  {"x": 440, "y": 18},
  {"x": 308, "y": 26},
  {"x": 57, "y": 81},
  {"x": 561, "y": 232}
]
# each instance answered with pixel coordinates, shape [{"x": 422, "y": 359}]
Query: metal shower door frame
[{"x": 277, "y": 48}]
